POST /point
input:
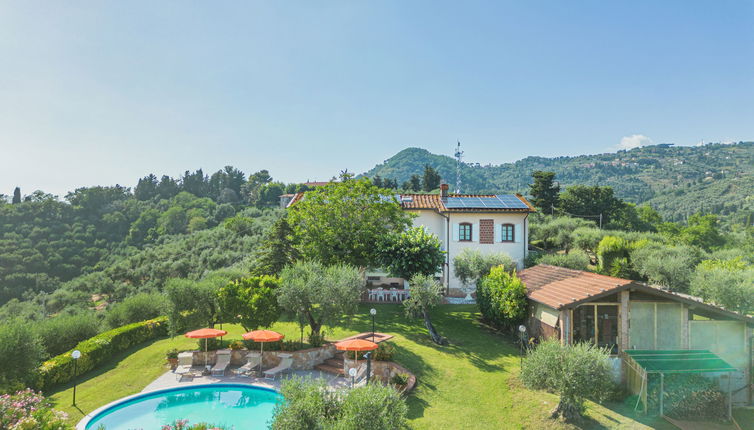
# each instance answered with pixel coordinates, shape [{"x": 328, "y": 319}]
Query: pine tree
[
  {"x": 544, "y": 191},
  {"x": 431, "y": 179},
  {"x": 17, "y": 196},
  {"x": 277, "y": 250}
]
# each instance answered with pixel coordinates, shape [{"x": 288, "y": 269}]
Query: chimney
[{"x": 444, "y": 191}]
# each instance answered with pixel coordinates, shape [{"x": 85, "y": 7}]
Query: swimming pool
[{"x": 233, "y": 406}]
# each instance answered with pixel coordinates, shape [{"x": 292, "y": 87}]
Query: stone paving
[{"x": 171, "y": 380}]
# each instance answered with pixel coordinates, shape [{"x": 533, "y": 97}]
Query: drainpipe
[
  {"x": 447, "y": 252},
  {"x": 526, "y": 240}
]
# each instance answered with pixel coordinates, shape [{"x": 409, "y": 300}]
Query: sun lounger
[
  {"x": 185, "y": 361},
  {"x": 285, "y": 364},
  {"x": 222, "y": 362},
  {"x": 253, "y": 359}
]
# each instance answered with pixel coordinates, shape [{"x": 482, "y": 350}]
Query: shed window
[
  {"x": 507, "y": 233},
  {"x": 464, "y": 232}
]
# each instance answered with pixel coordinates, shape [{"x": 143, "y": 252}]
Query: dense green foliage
[
  {"x": 502, "y": 298},
  {"x": 575, "y": 372},
  {"x": 411, "y": 252},
  {"x": 471, "y": 265},
  {"x": 728, "y": 283},
  {"x": 61, "y": 333},
  {"x": 21, "y": 351},
  {"x": 250, "y": 302},
  {"x": 544, "y": 191},
  {"x": 139, "y": 307},
  {"x": 319, "y": 294},
  {"x": 340, "y": 223},
  {"x": 310, "y": 405},
  {"x": 677, "y": 181},
  {"x": 99, "y": 349}
]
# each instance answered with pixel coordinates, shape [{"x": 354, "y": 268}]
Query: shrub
[
  {"x": 471, "y": 265},
  {"x": 578, "y": 260},
  {"x": 727, "y": 283},
  {"x": 59, "y": 334},
  {"x": 400, "y": 379},
  {"x": 236, "y": 345},
  {"x": 28, "y": 410},
  {"x": 669, "y": 266},
  {"x": 316, "y": 339},
  {"x": 309, "y": 405},
  {"x": 502, "y": 298},
  {"x": 98, "y": 349},
  {"x": 139, "y": 307},
  {"x": 575, "y": 372},
  {"x": 20, "y": 354},
  {"x": 172, "y": 353},
  {"x": 384, "y": 351},
  {"x": 610, "y": 249}
]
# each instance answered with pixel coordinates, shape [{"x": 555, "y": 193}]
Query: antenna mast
[{"x": 459, "y": 157}]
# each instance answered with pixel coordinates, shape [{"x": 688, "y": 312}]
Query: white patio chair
[
  {"x": 285, "y": 365},
  {"x": 253, "y": 360},
  {"x": 222, "y": 363},
  {"x": 185, "y": 361}
]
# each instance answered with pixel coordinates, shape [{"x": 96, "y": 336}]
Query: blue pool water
[{"x": 233, "y": 406}]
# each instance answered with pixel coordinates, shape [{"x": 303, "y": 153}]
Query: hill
[{"x": 676, "y": 180}]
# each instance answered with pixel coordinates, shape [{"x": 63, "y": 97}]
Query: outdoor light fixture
[
  {"x": 373, "y": 312},
  {"x": 522, "y": 331},
  {"x": 75, "y": 355},
  {"x": 368, "y": 356},
  {"x": 352, "y": 373}
]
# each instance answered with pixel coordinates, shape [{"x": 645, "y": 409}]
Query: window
[
  {"x": 597, "y": 324},
  {"x": 464, "y": 232},
  {"x": 507, "y": 233}
]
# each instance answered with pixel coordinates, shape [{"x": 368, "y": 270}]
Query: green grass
[{"x": 470, "y": 384}]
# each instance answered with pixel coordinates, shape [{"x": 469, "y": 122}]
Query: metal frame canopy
[
  {"x": 675, "y": 361},
  {"x": 682, "y": 361}
]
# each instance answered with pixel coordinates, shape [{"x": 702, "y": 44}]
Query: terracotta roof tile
[{"x": 557, "y": 286}]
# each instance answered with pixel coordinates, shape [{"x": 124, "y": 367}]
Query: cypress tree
[{"x": 17, "y": 196}]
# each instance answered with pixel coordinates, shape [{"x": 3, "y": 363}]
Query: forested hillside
[{"x": 677, "y": 180}]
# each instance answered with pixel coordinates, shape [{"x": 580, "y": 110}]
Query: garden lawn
[{"x": 470, "y": 384}]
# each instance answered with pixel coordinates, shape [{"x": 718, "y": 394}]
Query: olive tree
[
  {"x": 471, "y": 265},
  {"x": 575, "y": 372},
  {"x": 425, "y": 293},
  {"x": 320, "y": 294},
  {"x": 729, "y": 283}
]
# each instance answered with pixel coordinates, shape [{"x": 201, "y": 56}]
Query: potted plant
[{"x": 172, "y": 357}]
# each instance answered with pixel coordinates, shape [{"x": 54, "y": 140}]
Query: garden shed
[{"x": 630, "y": 317}]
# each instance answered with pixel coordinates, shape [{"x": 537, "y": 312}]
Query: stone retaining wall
[
  {"x": 304, "y": 359},
  {"x": 384, "y": 371}
]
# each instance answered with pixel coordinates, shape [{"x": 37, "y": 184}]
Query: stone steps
[{"x": 332, "y": 365}]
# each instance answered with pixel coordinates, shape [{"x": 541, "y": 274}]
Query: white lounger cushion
[{"x": 285, "y": 364}]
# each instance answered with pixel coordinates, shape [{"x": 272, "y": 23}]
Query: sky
[{"x": 104, "y": 92}]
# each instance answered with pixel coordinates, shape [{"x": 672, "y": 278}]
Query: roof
[
  {"x": 316, "y": 183},
  {"x": 475, "y": 202},
  {"x": 437, "y": 203},
  {"x": 679, "y": 361},
  {"x": 559, "y": 287}
]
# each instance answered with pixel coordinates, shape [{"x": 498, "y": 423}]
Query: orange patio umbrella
[
  {"x": 205, "y": 333},
  {"x": 262, "y": 336},
  {"x": 356, "y": 345}
]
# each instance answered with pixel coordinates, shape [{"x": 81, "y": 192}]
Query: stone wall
[
  {"x": 304, "y": 359},
  {"x": 384, "y": 371}
]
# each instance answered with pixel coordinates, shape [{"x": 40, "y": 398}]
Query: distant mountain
[{"x": 676, "y": 180}]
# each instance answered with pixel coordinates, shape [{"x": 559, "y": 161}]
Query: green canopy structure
[{"x": 643, "y": 362}]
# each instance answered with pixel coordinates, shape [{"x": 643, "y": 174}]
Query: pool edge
[{"x": 81, "y": 425}]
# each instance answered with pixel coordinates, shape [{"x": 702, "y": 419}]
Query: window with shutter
[
  {"x": 464, "y": 232},
  {"x": 507, "y": 233}
]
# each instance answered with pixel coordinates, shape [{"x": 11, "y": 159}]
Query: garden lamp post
[
  {"x": 373, "y": 312},
  {"x": 352, "y": 373},
  {"x": 522, "y": 337},
  {"x": 75, "y": 355},
  {"x": 368, "y": 356}
]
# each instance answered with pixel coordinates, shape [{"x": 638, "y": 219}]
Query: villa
[{"x": 489, "y": 223}]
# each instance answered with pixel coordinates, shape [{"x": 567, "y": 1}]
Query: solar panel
[{"x": 502, "y": 201}]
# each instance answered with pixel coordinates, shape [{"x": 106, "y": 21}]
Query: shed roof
[
  {"x": 679, "y": 361},
  {"x": 559, "y": 287}
]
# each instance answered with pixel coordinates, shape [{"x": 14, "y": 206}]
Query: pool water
[{"x": 232, "y": 406}]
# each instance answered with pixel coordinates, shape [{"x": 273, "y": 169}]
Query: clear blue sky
[{"x": 103, "y": 92}]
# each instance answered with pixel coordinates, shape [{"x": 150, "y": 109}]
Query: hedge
[{"x": 98, "y": 349}]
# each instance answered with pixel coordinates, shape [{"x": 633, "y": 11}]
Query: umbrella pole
[
  {"x": 206, "y": 351},
  {"x": 261, "y": 357}
]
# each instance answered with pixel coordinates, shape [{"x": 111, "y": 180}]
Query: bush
[
  {"x": 610, "y": 249},
  {"x": 471, "y": 265},
  {"x": 139, "y": 307},
  {"x": 28, "y": 410},
  {"x": 502, "y": 298},
  {"x": 59, "y": 334},
  {"x": 575, "y": 372},
  {"x": 98, "y": 349},
  {"x": 20, "y": 354},
  {"x": 309, "y": 405},
  {"x": 384, "y": 351},
  {"x": 727, "y": 283},
  {"x": 578, "y": 260},
  {"x": 400, "y": 379},
  {"x": 316, "y": 339}
]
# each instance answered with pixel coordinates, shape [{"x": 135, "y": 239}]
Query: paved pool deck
[{"x": 171, "y": 380}]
